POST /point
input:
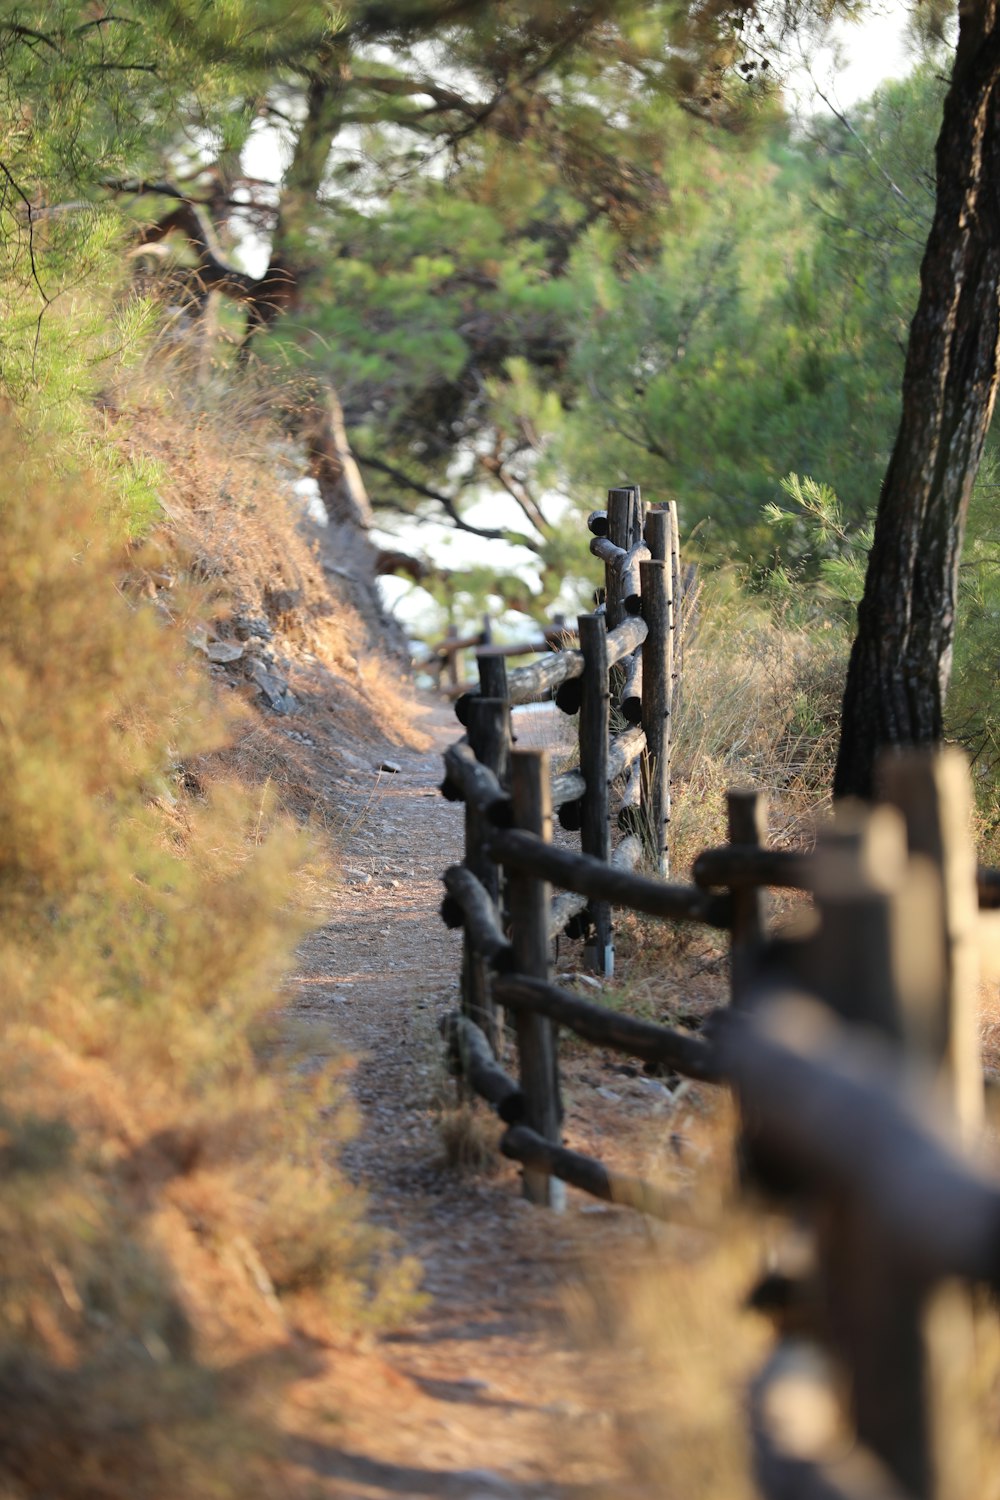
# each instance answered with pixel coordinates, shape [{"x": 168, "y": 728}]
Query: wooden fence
[
  {"x": 850, "y": 1043},
  {"x": 620, "y": 682},
  {"x": 444, "y": 661}
]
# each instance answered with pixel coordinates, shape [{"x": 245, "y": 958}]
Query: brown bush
[{"x": 167, "y": 1208}]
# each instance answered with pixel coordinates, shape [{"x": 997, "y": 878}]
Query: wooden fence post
[
  {"x": 746, "y": 814},
  {"x": 657, "y": 671},
  {"x": 452, "y": 664},
  {"x": 595, "y": 729},
  {"x": 489, "y": 738},
  {"x": 529, "y": 900},
  {"x": 657, "y": 534},
  {"x": 621, "y": 509},
  {"x": 932, "y": 790},
  {"x": 492, "y": 668},
  {"x": 875, "y": 1311}
]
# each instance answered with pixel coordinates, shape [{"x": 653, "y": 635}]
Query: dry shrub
[
  {"x": 234, "y": 525},
  {"x": 683, "y": 1348},
  {"x": 226, "y": 477},
  {"x": 470, "y": 1138},
  {"x": 759, "y": 706},
  {"x": 167, "y": 1205}
]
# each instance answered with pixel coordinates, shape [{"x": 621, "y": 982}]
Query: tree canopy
[{"x": 518, "y": 250}]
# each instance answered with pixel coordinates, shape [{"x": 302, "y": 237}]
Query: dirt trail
[{"x": 485, "y": 1394}]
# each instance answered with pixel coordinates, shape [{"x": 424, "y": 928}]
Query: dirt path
[{"x": 485, "y": 1394}]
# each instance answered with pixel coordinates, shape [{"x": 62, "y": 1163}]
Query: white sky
[{"x": 858, "y": 58}]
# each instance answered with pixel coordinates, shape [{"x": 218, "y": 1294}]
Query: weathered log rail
[{"x": 444, "y": 659}]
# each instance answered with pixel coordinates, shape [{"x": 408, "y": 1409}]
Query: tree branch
[
  {"x": 447, "y": 504},
  {"x": 407, "y": 87},
  {"x": 30, "y": 212},
  {"x": 110, "y": 67},
  {"x": 517, "y": 489},
  {"x": 865, "y": 150},
  {"x": 141, "y": 185},
  {"x": 104, "y": 21},
  {"x": 27, "y": 34}
]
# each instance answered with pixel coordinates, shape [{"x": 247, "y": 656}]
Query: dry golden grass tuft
[
  {"x": 226, "y": 478},
  {"x": 759, "y": 706},
  {"x": 169, "y": 1212},
  {"x": 235, "y": 529},
  {"x": 683, "y": 1347},
  {"x": 469, "y": 1137}
]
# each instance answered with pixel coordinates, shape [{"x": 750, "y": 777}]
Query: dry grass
[
  {"x": 235, "y": 525},
  {"x": 170, "y": 1211},
  {"x": 236, "y": 530},
  {"x": 469, "y": 1138},
  {"x": 682, "y": 1346},
  {"x": 759, "y": 706}
]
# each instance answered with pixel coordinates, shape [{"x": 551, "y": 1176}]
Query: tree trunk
[
  {"x": 332, "y": 464},
  {"x": 279, "y": 286},
  {"x": 901, "y": 659}
]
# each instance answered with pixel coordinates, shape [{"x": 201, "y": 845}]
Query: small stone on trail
[
  {"x": 655, "y": 1087},
  {"x": 573, "y": 977},
  {"x": 390, "y": 765}
]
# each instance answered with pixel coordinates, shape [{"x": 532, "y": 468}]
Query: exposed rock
[
  {"x": 252, "y": 627},
  {"x": 274, "y": 689},
  {"x": 282, "y": 601},
  {"x": 209, "y": 645},
  {"x": 223, "y": 652}
]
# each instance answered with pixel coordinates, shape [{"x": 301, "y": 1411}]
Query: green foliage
[
  {"x": 523, "y": 259},
  {"x": 767, "y": 336},
  {"x": 825, "y": 583},
  {"x": 970, "y": 710},
  {"x": 827, "y": 551},
  {"x": 75, "y": 115},
  {"x": 463, "y": 176}
]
